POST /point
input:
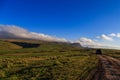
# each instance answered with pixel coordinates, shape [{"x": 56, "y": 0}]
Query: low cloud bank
[{"x": 12, "y": 31}]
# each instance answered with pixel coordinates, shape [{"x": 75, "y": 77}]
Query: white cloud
[
  {"x": 105, "y": 37},
  {"x": 117, "y": 35},
  {"x": 86, "y": 42},
  {"x": 13, "y": 31},
  {"x": 112, "y": 34},
  {"x": 111, "y": 40}
]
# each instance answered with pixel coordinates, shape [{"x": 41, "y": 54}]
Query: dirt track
[{"x": 108, "y": 69}]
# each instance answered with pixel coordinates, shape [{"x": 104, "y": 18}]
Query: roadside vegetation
[{"x": 112, "y": 53}]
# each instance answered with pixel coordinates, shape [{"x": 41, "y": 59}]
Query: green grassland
[
  {"x": 8, "y": 46},
  {"x": 50, "y": 61},
  {"x": 112, "y": 53}
]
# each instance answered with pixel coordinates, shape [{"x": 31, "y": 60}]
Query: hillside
[{"x": 8, "y": 46}]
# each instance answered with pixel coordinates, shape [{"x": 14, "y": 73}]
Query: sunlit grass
[
  {"x": 47, "y": 62},
  {"x": 112, "y": 53},
  {"x": 53, "y": 67}
]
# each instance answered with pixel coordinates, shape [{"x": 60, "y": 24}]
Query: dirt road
[{"x": 108, "y": 69}]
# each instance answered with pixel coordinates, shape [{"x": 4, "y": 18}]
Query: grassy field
[
  {"x": 50, "y": 61},
  {"x": 112, "y": 53},
  {"x": 8, "y": 46}
]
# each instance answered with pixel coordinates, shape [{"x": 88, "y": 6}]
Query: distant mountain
[{"x": 76, "y": 44}]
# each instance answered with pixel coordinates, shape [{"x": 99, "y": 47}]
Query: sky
[{"x": 90, "y": 22}]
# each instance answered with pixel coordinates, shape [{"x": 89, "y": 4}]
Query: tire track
[{"x": 108, "y": 69}]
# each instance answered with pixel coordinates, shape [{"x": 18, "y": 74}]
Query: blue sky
[{"x": 70, "y": 19}]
